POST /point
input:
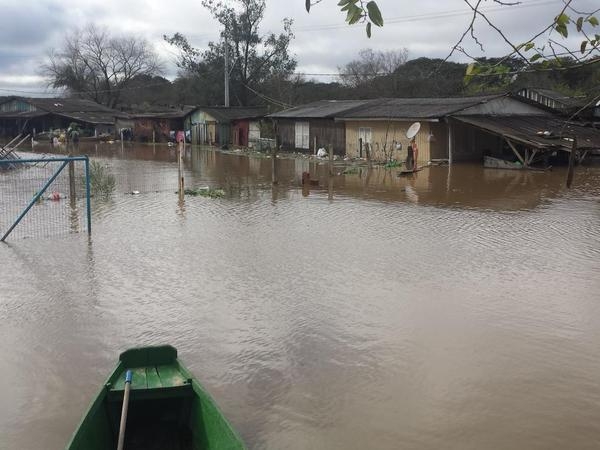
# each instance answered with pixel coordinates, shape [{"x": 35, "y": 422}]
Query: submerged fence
[{"x": 44, "y": 196}]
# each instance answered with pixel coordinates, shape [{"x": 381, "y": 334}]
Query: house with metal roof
[
  {"x": 380, "y": 125},
  {"x": 383, "y": 125},
  {"x": 309, "y": 127},
  {"x": 225, "y": 126},
  {"x": 159, "y": 126},
  {"x": 37, "y": 115}
]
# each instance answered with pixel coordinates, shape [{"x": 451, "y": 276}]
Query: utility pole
[{"x": 226, "y": 71}]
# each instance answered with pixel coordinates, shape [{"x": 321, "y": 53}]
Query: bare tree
[
  {"x": 371, "y": 64},
  {"x": 95, "y": 65}
]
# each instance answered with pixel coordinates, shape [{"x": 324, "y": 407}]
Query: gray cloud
[{"x": 323, "y": 42}]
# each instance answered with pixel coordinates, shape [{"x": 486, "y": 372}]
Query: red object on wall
[{"x": 240, "y": 129}]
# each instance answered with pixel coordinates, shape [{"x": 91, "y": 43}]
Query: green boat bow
[{"x": 168, "y": 408}]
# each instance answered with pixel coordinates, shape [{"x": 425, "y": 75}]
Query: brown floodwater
[{"x": 458, "y": 308}]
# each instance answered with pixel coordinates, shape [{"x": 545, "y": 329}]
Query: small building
[
  {"x": 225, "y": 126},
  {"x": 309, "y": 127},
  {"x": 160, "y": 126},
  {"x": 38, "y": 115}
]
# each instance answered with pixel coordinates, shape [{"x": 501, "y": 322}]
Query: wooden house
[
  {"x": 225, "y": 126},
  {"x": 309, "y": 127},
  {"x": 383, "y": 125},
  {"x": 160, "y": 126}
]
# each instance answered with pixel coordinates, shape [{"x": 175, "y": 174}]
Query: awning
[{"x": 540, "y": 132}]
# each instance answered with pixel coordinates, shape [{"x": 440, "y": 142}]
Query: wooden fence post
[
  {"x": 180, "y": 149},
  {"x": 571, "y": 170}
]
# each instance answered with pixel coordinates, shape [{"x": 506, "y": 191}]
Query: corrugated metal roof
[
  {"x": 174, "y": 113},
  {"x": 72, "y": 108},
  {"x": 22, "y": 114},
  {"x": 62, "y": 105},
  {"x": 530, "y": 130},
  {"x": 415, "y": 108},
  {"x": 89, "y": 117},
  {"x": 227, "y": 114},
  {"x": 554, "y": 95},
  {"x": 320, "y": 110}
]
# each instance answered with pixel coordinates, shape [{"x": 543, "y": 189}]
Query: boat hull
[{"x": 168, "y": 408}]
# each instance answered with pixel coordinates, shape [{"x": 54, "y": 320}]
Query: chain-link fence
[{"x": 43, "y": 197}]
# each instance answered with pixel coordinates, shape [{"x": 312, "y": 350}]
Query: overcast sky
[{"x": 29, "y": 28}]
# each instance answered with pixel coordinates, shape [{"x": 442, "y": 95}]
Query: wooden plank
[
  {"x": 170, "y": 376},
  {"x": 533, "y": 154},
  {"x": 139, "y": 378},
  {"x": 515, "y": 152},
  {"x": 119, "y": 383},
  {"x": 152, "y": 378}
]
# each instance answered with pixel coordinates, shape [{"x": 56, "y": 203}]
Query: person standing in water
[{"x": 412, "y": 156}]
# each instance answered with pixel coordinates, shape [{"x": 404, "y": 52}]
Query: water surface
[{"x": 454, "y": 309}]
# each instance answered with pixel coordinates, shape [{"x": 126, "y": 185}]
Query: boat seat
[{"x": 161, "y": 381}]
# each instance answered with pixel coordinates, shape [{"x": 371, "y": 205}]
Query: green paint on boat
[{"x": 168, "y": 408}]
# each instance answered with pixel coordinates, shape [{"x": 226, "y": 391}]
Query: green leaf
[
  {"x": 374, "y": 13},
  {"x": 563, "y": 19},
  {"x": 593, "y": 21},
  {"x": 307, "y": 5},
  {"x": 354, "y": 14},
  {"x": 583, "y": 46},
  {"x": 579, "y": 24},
  {"x": 562, "y": 29},
  {"x": 471, "y": 68},
  {"x": 535, "y": 57},
  {"x": 529, "y": 46},
  {"x": 369, "y": 30}
]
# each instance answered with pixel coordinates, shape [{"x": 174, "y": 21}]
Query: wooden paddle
[{"x": 128, "y": 376}]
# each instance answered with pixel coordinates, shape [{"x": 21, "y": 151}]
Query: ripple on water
[{"x": 463, "y": 315}]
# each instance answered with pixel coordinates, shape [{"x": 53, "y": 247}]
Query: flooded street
[{"x": 457, "y": 308}]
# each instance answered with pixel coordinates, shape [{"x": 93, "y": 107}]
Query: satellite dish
[{"x": 413, "y": 130}]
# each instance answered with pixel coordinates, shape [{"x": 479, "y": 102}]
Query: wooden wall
[
  {"x": 285, "y": 132},
  {"x": 438, "y": 140},
  {"x": 326, "y": 132},
  {"x": 387, "y": 133}
]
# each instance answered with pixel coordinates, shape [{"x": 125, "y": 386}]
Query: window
[
  {"x": 302, "y": 135},
  {"x": 365, "y": 134}
]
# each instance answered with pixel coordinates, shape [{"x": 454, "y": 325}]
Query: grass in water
[
  {"x": 102, "y": 182},
  {"x": 205, "y": 192}
]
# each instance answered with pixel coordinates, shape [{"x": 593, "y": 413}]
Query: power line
[
  {"x": 267, "y": 98},
  {"x": 433, "y": 16}
]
